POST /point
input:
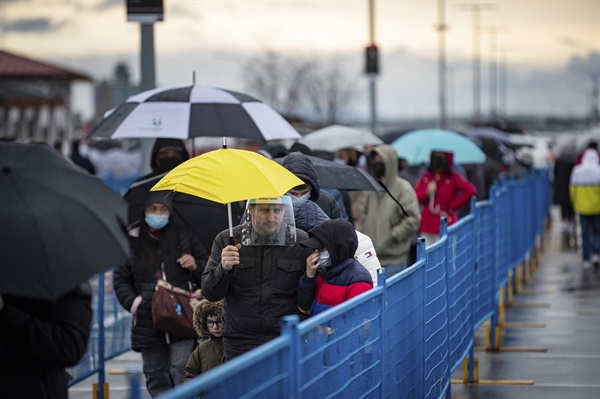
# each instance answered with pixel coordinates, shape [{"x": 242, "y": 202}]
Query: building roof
[{"x": 13, "y": 66}]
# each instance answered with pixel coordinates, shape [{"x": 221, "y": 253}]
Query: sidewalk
[{"x": 550, "y": 344}]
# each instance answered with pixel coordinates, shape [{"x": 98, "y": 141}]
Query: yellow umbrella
[{"x": 228, "y": 175}]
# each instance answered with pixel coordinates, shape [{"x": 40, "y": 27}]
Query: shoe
[
  {"x": 587, "y": 265},
  {"x": 596, "y": 259}
]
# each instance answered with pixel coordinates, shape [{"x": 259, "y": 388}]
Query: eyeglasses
[{"x": 212, "y": 323}]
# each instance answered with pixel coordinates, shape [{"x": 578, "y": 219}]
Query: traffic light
[{"x": 372, "y": 60}]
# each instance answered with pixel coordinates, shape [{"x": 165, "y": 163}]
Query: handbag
[{"x": 173, "y": 308}]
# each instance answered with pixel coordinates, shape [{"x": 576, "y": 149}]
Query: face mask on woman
[{"x": 156, "y": 222}]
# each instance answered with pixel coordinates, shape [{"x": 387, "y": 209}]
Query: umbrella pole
[{"x": 231, "y": 242}]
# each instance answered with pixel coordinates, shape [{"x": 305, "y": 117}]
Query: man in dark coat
[
  {"x": 256, "y": 275},
  {"x": 38, "y": 339},
  {"x": 303, "y": 168}
]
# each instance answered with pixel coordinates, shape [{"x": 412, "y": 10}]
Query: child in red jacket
[{"x": 332, "y": 274}]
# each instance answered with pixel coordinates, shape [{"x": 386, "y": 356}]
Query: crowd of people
[{"x": 301, "y": 253}]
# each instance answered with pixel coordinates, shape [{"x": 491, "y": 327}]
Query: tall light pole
[
  {"x": 441, "y": 28},
  {"x": 475, "y": 9},
  {"x": 372, "y": 66},
  {"x": 493, "y": 32},
  {"x": 503, "y": 78}
]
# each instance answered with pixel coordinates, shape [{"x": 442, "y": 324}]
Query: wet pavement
[{"x": 550, "y": 344}]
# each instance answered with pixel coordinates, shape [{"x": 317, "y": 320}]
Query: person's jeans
[
  {"x": 164, "y": 365},
  {"x": 590, "y": 235}
]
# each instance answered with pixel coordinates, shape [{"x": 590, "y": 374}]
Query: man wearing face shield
[{"x": 256, "y": 276}]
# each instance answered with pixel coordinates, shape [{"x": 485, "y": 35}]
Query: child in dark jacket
[
  {"x": 332, "y": 274},
  {"x": 208, "y": 324}
]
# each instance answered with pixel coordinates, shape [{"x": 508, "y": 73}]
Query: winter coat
[
  {"x": 384, "y": 221},
  {"x": 585, "y": 185},
  {"x": 257, "y": 293},
  {"x": 38, "y": 339},
  {"x": 303, "y": 168},
  {"x": 209, "y": 354},
  {"x": 307, "y": 215},
  {"x": 452, "y": 193},
  {"x": 138, "y": 277},
  {"x": 343, "y": 280}
]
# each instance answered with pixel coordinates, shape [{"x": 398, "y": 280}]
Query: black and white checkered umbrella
[{"x": 194, "y": 111}]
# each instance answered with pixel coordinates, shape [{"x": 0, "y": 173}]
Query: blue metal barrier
[{"x": 403, "y": 338}]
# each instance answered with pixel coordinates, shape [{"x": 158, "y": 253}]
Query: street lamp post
[{"x": 441, "y": 28}]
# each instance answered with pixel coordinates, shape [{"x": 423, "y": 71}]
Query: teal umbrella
[{"x": 416, "y": 146}]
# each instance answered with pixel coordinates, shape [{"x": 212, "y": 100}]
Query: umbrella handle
[
  {"x": 433, "y": 208},
  {"x": 231, "y": 241}
]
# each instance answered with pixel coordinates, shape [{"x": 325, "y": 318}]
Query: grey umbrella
[{"x": 58, "y": 225}]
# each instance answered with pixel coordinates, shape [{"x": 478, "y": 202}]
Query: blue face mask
[
  {"x": 325, "y": 258},
  {"x": 156, "y": 222},
  {"x": 305, "y": 197}
]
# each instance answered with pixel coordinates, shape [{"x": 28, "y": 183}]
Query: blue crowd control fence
[{"x": 405, "y": 337}]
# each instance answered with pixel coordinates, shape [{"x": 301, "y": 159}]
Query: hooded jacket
[
  {"x": 584, "y": 186},
  {"x": 452, "y": 193},
  {"x": 303, "y": 168},
  {"x": 308, "y": 215},
  {"x": 344, "y": 279},
  {"x": 389, "y": 228},
  {"x": 160, "y": 144}
]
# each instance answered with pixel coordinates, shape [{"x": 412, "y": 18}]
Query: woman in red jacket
[{"x": 441, "y": 192}]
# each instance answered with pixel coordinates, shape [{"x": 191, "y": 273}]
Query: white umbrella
[
  {"x": 194, "y": 111},
  {"x": 335, "y": 137}
]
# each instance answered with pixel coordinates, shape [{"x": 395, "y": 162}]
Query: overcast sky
[{"x": 552, "y": 47}]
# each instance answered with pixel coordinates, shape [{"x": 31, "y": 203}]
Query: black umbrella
[
  {"x": 206, "y": 218},
  {"x": 343, "y": 177},
  {"x": 59, "y": 226}
]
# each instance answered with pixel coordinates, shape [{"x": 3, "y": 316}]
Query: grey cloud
[{"x": 32, "y": 25}]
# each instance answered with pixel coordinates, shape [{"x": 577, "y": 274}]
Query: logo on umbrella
[{"x": 156, "y": 122}]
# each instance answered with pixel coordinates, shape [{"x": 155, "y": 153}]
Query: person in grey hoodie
[{"x": 391, "y": 217}]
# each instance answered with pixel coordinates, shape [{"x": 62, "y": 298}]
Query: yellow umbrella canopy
[{"x": 228, "y": 175}]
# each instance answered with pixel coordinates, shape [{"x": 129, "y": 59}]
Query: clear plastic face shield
[{"x": 269, "y": 221}]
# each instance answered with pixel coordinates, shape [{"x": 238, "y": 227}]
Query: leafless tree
[
  {"x": 292, "y": 84},
  {"x": 331, "y": 92}
]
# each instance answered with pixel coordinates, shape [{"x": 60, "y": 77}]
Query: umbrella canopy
[
  {"x": 228, "y": 175},
  {"x": 206, "y": 218},
  {"x": 335, "y": 137},
  {"x": 343, "y": 177},
  {"x": 194, "y": 111},
  {"x": 417, "y": 145},
  {"x": 58, "y": 225}
]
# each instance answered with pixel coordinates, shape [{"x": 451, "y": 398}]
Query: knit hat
[{"x": 160, "y": 197}]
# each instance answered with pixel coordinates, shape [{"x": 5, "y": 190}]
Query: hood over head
[
  {"x": 301, "y": 166},
  {"x": 337, "y": 236},
  {"x": 448, "y": 156},
  {"x": 590, "y": 156},
  {"x": 162, "y": 144},
  {"x": 390, "y": 160}
]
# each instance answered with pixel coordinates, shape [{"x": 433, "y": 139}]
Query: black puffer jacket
[
  {"x": 300, "y": 165},
  {"x": 138, "y": 277},
  {"x": 259, "y": 291}
]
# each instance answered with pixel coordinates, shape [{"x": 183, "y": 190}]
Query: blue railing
[{"x": 405, "y": 337}]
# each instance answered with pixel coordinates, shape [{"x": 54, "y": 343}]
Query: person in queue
[{"x": 256, "y": 273}]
